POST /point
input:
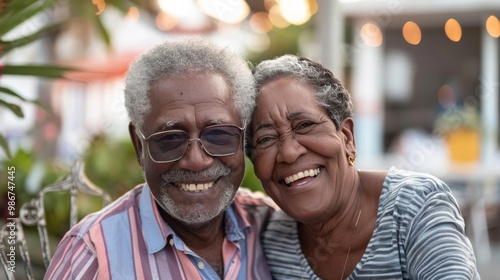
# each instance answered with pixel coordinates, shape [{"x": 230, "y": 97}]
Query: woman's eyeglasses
[{"x": 171, "y": 145}]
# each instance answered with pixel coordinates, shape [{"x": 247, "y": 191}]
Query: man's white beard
[{"x": 196, "y": 214}]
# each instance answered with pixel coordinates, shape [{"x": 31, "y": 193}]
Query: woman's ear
[
  {"x": 347, "y": 128},
  {"x": 136, "y": 141}
]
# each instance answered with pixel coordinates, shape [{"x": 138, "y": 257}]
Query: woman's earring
[{"x": 352, "y": 159}]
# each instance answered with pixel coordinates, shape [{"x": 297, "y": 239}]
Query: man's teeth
[
  {"x": 196, "y": 187},
  {"x": 300, "y": 175}
]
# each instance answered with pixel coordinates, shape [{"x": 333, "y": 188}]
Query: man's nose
[{"x": 195, "y": 158}]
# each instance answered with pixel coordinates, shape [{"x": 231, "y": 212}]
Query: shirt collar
[
  {"x": 153, "y": 227},
  {"x": 156, "y": 231},
  {"x": 236, "y": 224}
]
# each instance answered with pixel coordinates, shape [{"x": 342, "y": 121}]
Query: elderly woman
[{"x": 337, "y": 221}]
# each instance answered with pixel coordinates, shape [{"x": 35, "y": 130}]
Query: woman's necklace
[
  {"x": 354, "y": 229},
  {"x": 350, "y": 244}
]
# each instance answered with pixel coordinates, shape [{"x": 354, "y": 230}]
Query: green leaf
[
  {"x": 9, "y": 22},
  {"x": 45, "y": 71},
  {"x": 103, "y": 31},
  {"x": 12, "y": 93},
  {"x": 13, "y": 107},
  {"x": 10, "y": 45},
  {"x": 5, "y": 146}
]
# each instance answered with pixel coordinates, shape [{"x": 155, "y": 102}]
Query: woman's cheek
[{"x": 263, "y": 166}]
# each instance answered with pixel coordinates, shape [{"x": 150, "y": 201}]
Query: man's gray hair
[{"x": 187, "y": 54}]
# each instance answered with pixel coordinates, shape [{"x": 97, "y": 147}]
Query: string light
[
  {"x": 453, "y": 30},
  {"x": 493, "y": 26},
  {"x": 133, "y": 14},
  {"x": 371, "y": 35},
  {"x": 260, "y": 22},
  {"x": 296, "y": 12},
  {"x": 412, "y": 33},
  {"x": 276, "y": 18},
  {"x": 165, "y": 22},
  {"x": 230, "y": 12}
]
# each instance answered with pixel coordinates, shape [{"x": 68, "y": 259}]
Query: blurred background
[{"x": 424, "y": 76}]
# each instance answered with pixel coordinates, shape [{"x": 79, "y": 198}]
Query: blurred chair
[{"x": 33, "y": 213}]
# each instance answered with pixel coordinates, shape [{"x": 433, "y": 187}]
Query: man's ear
[
  {"x": 136, "y": 141},
  {"x": 347, "y": 128}
]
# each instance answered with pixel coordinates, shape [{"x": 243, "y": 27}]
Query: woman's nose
[{"x": 290, "y": 149}]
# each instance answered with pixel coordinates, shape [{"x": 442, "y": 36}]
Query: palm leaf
[
  {"x": 12, "y": 93},
  {"x": 14, "y": 18},
  {"x": 5, "y": 145},
  {"x": 10, "y": 45},
  {"x": 12, "y": 107},
  {"x": 44, "y": 71},
  {"x": 103, "y": 31}
]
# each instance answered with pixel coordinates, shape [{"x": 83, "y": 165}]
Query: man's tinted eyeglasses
[{"x": 171, "y": 145}]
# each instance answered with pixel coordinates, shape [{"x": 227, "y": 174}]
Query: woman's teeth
[
  {"x": 307, "y": 173},
  {"x": 196, "y": 187}
]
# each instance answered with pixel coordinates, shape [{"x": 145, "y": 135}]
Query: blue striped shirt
[{"x": 419, "y": 234}]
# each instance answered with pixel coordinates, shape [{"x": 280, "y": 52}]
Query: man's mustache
[{"x": 184, "y": 175}]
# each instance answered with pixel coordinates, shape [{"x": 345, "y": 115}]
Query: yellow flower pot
[{"x": 463, "y": 145}]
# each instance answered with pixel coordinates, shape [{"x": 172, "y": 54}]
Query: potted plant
[{"x": 461, "y": 129}]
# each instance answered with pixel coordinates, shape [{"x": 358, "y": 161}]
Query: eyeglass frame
[{"x": 198, "y": 139}]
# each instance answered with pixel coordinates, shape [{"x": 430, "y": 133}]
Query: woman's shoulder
[
  {"x": 399, "y": 182},
  {"x": 281, "y": 223},
  {"x": 407, "y": 193}
]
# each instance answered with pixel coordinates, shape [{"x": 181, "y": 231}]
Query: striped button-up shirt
[{"x": 129, "y": 240}]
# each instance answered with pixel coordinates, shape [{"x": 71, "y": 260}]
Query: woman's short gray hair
[
  {"x": 187, "y": 54},
  {"x": 329, "y": 91}
]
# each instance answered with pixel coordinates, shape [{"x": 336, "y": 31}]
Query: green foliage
[
  {"x": 466, "y": 117},
  {"x": 112, "y": 165},
  {"x": 250, "y": 181},
  {"x": 14, "y": 13}
]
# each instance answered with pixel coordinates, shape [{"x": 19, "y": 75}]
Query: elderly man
[{"x": 188, "y": 101}]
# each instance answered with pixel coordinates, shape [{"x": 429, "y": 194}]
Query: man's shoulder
[
  {"x": 248, "y": 197},
  {"x": 255, "y": 208}
]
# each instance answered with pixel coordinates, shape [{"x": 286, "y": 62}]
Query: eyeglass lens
[{"x": 216, "y": 141}]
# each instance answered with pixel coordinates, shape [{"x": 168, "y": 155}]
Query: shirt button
[
  {"x": 171, "y": 242},
  {"x": 201, "y": 265}
]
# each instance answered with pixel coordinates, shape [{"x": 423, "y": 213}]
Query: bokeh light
[
  {"x": 493, "y": 26},
  {"x": 453, "y": 30},
  {"x": 371, "y": 35},
  {"x": 133, "y": 14},
  {"x": 276, "y": 18},
  {"x": 230, "y": 12},
  {"x": 101, "y": 5},
  {"x": 165, "y": 22},
  {"x": 260, "y": 22},
  {"x": 178, "y": 9},
  {"x": 296, "y": 12},
  {"x": 268, "y": 4},
  {"x": 412, "y": 33}
]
